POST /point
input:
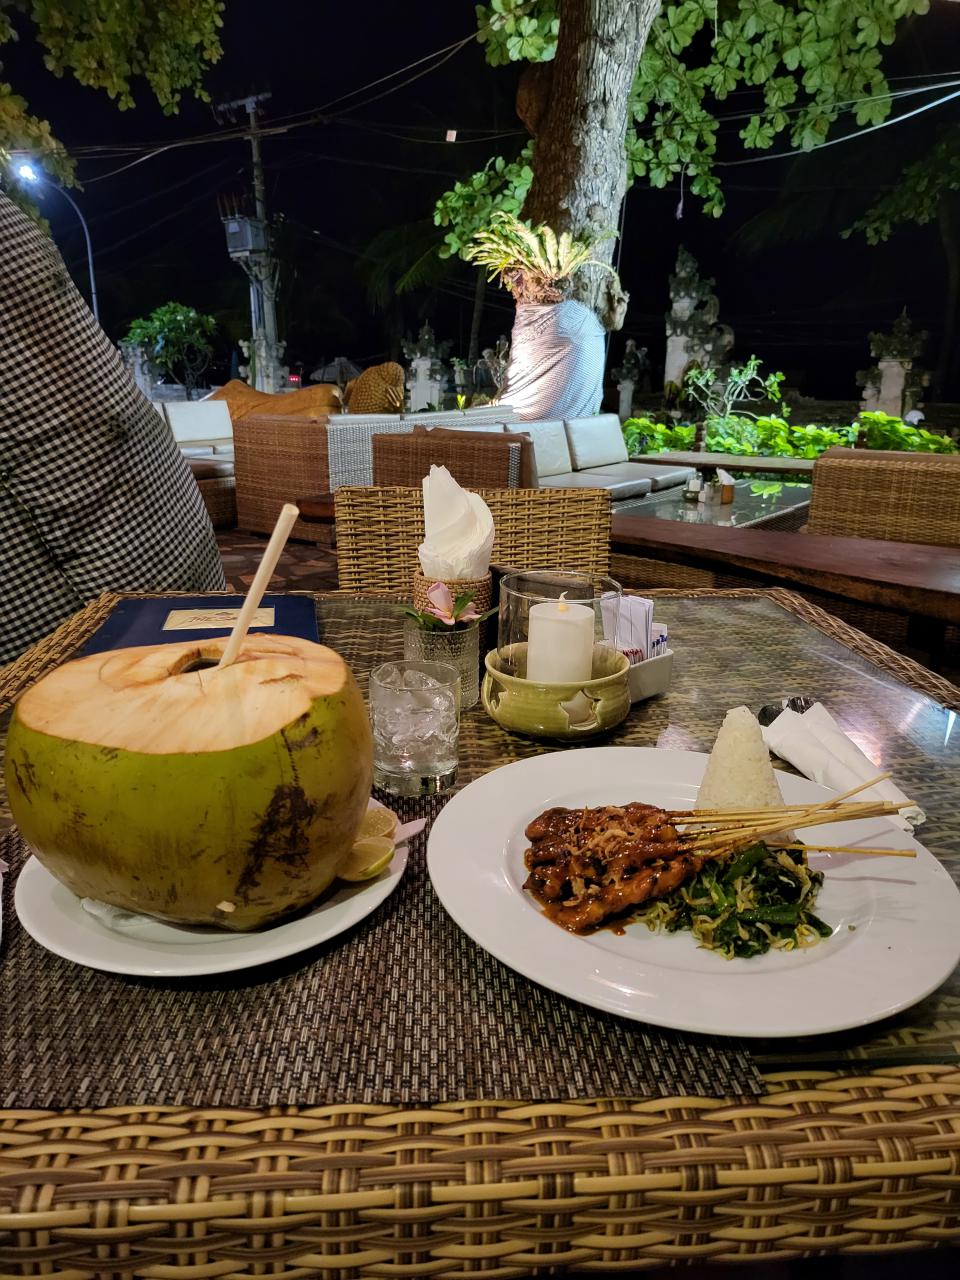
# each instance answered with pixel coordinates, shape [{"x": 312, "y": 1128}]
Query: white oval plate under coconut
[
  {"x": 53, "y": 916},
  {"x": 896, "y": 921}
]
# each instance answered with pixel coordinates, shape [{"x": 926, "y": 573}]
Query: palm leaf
[
  {"x": 548, "y": 238},
  {"x": 508, "y": 244}
]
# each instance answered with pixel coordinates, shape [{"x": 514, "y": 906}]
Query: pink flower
[{"x": 442, "y": 603}]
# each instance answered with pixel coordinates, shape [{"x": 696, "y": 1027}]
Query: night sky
[{"x": 803, "y": 306}]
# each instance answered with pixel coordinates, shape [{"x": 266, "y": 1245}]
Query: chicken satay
[{"x": 655, "y": 880}]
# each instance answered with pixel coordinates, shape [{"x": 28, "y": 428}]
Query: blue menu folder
[{"x": 153, "y": 620}]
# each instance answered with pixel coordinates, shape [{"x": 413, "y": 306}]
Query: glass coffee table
[{"x": 779, "y": 504}]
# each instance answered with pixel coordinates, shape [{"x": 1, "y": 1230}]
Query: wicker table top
[{"x": 855, "y": 1146}]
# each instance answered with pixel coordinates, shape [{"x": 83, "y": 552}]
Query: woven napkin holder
[{"x": 479, "y": 587}]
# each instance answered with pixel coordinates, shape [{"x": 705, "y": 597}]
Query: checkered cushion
[{"x": 94, "y": 493}]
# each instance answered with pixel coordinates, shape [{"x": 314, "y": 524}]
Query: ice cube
[
  {"x": 413, "y": 679},
  {"x": 390, "y": 676}
]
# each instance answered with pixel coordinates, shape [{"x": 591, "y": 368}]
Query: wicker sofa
[
  {"x": 900, "y": 497},
  {"x": 281, "y": 459}
]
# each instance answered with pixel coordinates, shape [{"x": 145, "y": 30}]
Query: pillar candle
[{"x": 560, "y": 642}]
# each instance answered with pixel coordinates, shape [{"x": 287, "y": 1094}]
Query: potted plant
[{"x": 557, "y": 344}]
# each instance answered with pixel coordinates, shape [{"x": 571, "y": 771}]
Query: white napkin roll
[
  {"x": 458, "y": 527},
  {"x": 816, "y": 745}
]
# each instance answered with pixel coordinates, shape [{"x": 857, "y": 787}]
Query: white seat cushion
[
  {"x": 199, "y": 420},
  {"x": 618, "y": 489},
  {"x": 660, "y": 477},
  {"x": 595, "y": 442},
  {"x": 197, "y": 450},
  {"x": 549, "y": 447}
]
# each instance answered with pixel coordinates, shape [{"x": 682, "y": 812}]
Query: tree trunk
[
  {"x": 579, "y": 169},
  {"x": 948, "y": 217},
  {"x": 473, "y": 350}
]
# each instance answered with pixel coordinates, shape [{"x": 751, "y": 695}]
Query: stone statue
[
  {"x": 428, "y": 375},
  {"x": 893, "y": 385},
  {"x": 633, "y": 375},
  {"x": 693, "y": 333},
  {"x": 490, "y": 370}
]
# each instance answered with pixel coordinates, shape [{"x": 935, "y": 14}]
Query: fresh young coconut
[{"x": 149, "y": 779}]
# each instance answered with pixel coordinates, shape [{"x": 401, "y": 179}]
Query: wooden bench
[
  {"x": 912, "y": 578},
  {"x": 730, "y": 462}
]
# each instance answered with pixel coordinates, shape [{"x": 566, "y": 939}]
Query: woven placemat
[{"x": 402, "y": 1008}]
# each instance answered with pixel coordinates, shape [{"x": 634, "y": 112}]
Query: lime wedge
[
  {"x": 367, "y": 858},
  {"x": 378, "y": 822}
]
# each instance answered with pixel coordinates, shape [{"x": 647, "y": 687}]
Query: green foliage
[
  {"x": 107, "y": 46},
  {"x": 642, "y": 435},
  {"x": 470, "y": 205},
  {"x": 722, "y": 397},
  {"x": 772, "y": 437},
  {"x": 400, "y": 259},
  {"x": 814, "y": 62},
  {"x": 518, "y": 30},
  {"x": 883, "y": 431},
  {"x": 918, "y": 192},
  {"x": 177, "y": 340}
]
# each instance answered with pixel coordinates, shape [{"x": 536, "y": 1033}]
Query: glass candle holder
[{"x": 556, "y": 627}]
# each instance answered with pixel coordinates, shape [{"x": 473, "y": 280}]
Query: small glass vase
[{"x": 460, "y": 647}]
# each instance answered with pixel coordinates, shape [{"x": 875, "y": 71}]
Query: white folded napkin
[
  {"x": 459, "y": 530},
  {"x": 816, "y": 745}
]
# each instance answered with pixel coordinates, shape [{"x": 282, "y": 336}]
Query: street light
[{"x": 28, "y": 173}]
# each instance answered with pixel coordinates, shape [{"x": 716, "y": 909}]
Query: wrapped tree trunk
[
  {"x": 580, "y": 123},
  {"x": 576, "y": 107}
]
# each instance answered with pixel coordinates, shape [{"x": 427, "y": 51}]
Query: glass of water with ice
[{"x": 415, "y": 714}]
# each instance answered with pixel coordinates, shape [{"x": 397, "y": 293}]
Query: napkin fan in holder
[
  {"x": 456, "y": 551},
  {"x": 458, "y": 541}
]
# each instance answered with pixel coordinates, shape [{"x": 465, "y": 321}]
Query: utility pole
[{"x": 249, "y": 244}]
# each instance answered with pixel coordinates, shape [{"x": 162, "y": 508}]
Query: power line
[
  {"x": 448, "y": 50},
  {"x": 847, "y": 137},
  {"x": 315, "y": 115}
]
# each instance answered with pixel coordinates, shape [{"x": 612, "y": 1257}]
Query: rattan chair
[
  {"x": 379, "y": 530},
  {"x": 276, "y": 460},
  {"x": 900, "y": 497},
  {"x": 475, "y": 460}
]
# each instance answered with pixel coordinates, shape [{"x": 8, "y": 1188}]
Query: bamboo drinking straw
[{"x": 258, "y": 586}]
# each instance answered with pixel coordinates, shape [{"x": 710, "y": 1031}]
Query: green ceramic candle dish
[{"x": 562, "y": 711}]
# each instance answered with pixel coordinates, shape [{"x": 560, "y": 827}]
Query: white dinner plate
[
  {"x": 53, "y": 916},
  {"x": 896, "y": 921}
]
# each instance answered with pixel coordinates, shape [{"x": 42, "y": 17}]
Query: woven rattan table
[{"x": 854, "y": 1146}]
